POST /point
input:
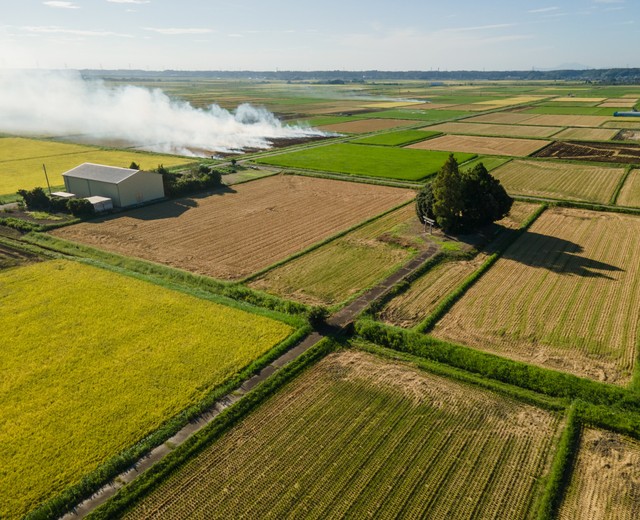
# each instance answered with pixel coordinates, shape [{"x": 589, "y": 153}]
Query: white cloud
[
  {"x": 53, "y": 29},
  {"x": 130, "y": 1},
  {"x": 61, "y": 5},
  {"x": 543, "y": 10},
  {"x": 178, "y": 30}
]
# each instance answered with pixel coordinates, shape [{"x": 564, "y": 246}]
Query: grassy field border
[
  {"x": 324, "y": 242},
  {"x": 230, "y": 290},
  {"x": 147, "y": 482},
  {"x": 620, "y": 185}
]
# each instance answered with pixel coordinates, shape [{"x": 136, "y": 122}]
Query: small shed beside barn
[{"x": 124, "y": 186}]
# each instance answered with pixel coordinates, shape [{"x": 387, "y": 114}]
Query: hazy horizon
[{"x": 287, "y": 35}]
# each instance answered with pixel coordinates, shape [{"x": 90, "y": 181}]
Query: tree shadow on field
[{"x": 557, "y": 255}]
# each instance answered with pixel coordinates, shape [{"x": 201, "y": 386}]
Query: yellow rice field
[
  {"x": 587, "y": 134},
  {"x": 95, "y": 362},
  {"x": 22, "y": 160}
]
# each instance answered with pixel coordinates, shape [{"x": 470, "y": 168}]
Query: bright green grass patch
[
  {"x": 401, "y": 138},
  {"x": 490, "y": 163},
  {"x": 371, "y": 161},
  {"x": 358, "y": 436},
  {"x": 95, "y": 361},
  {"x": 348, "y": 265},
  {"x": 573, "y": 111},
  {"x": 22, "y": 160},
  {"x": 418, "y": 115}
]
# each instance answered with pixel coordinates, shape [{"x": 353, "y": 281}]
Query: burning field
[{"x": 598, "y": 152}]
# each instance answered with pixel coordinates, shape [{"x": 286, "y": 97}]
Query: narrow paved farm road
[{"x": 338, "y": 323}]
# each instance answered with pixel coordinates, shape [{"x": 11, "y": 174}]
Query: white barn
[{"x": 124, "y": 186}]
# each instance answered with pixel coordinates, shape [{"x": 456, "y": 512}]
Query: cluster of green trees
[
  {"x": 463, "y": 201},
  {"x": 199, "y": 179},
  {"x": 37, "y": 200}
]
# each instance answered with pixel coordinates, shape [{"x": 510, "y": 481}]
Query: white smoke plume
[{"x": 63, "y": 104}]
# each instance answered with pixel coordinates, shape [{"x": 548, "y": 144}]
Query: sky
[{"x": 319, "y": 34}]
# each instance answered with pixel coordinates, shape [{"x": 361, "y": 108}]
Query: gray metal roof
[{"x": 99, "y": 172}]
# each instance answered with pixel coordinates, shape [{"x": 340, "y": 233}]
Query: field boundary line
[
  {"x": 620, "y": 185},
  {"x": 591, "y": 206},
  {"x": 561, "y": 467},
  {"x": 324, "y": 242},
  {"x": 144, "y": 476},
  {"x": 361, "y": 179},
  {"x": 231, "y": 290}
]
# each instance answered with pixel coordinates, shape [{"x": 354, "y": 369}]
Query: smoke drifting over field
[{"x": 63, "y": 104}]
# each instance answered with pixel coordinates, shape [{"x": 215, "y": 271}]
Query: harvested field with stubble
[
  {"x": 234, "y": 232},
  {"x": 605, "y": 482},
  {"x": 349, "y": 264},
  {"x": 630, "y": 192},
  {"x": 567, "y": 120},
  {"x": 487, "y": 129},
  {"x": 559, "y": 180},
  {"x": 565, "y": 295},
  {"x": 481, "y": 145},
  {"x": 366, "y": 125},
  {"x": 588, "y": 134},
  {"x": 416, "y": 303},
  {"x": 359, "y": 436},
  {"x": 506, "y": 118}
]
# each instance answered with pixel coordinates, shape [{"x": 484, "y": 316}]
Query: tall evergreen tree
[{"x": 448, "y": 201}]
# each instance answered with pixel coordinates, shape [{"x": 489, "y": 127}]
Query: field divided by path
[
  {"x": 420, "y": 299},
  {"x": 630, "y": 192},
  {"x": 487, "y": 129},
  {"x": 349, "y": 264},
  {"x": 605, "y": 482},
  {"x": 358, "y": 436},
  {"x": 95, "y": 361},
  {"x": 565, "y": 295},
  {"x": 239, "y": 230},
  {"x": 559, "y": 180}
]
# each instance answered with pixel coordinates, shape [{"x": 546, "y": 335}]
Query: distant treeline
[{"x": 608, "y": 76}]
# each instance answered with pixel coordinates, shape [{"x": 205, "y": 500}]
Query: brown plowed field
[
  {"x": 233, "y": 233},
  {"x": 565, "y": 295},
  {"x": 605, "y": 484},
  {"x": 367, "y": 125},
  {"x": 487, "y": 129},
  {"x": 481, "y": 145},
  {"x": 598, "y": 152}
]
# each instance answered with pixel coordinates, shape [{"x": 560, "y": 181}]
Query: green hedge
[
  {"x": 230, "y": 290},
  {"x": 538, "y": 379},
  {"x": 147, "y": 482},
  {"x": 558, "y": 477},
  {"x": 73, "y": 495}
]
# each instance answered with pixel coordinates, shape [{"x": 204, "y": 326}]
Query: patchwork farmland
[
  {"x": 356, "y": 435},
  {"x": 247, "y": 227},
  {"x": 295, "y": 343}
]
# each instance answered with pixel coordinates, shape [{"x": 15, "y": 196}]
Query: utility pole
[{"x": 46, "y": 177}]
